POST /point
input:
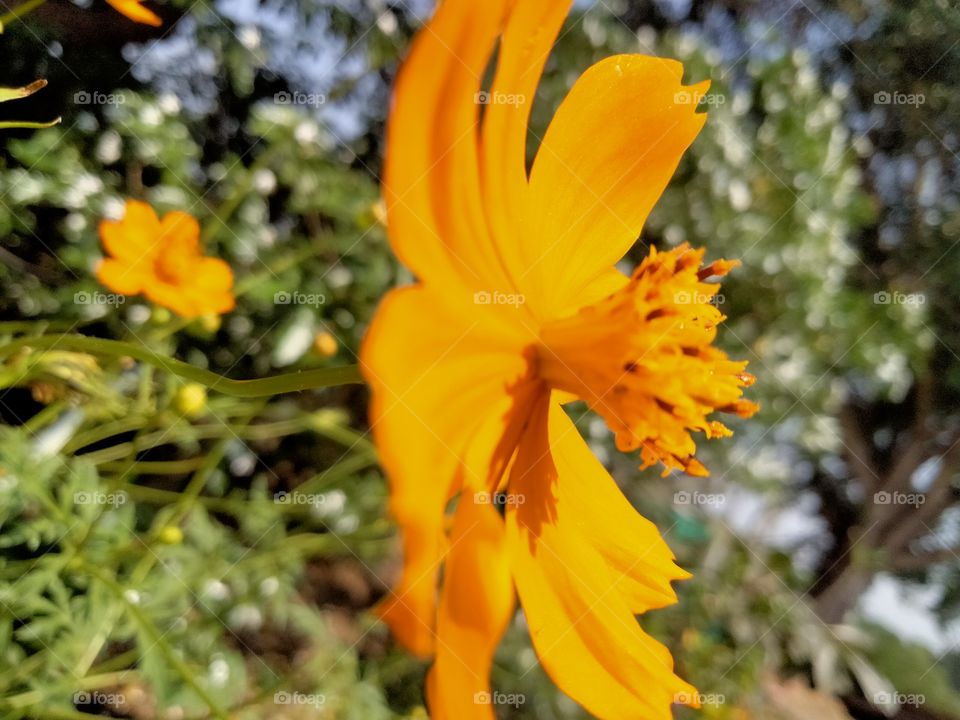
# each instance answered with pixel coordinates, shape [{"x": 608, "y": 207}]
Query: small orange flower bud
[{"x": 325, "y": 344}]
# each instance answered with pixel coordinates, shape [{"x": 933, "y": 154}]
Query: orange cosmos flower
[
  {"x": 162, "y": 260},
  {"x": 518, "y": 309},
  {"x": 134, "y": 10}
]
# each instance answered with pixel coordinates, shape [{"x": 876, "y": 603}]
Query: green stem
[
  {"x": 92, "y": 682},
  {"x": 157, "y": 638},
  {"x": 107, "y": 430},
  {"x": 50, "y": 413},
  {"x": 260, "y": 431},
  {"x": 156, "y": 496},
  {"x": 340, "y": 471},
  {"x": 154, "y": 467},
  {"x": 19, "y": 11},
  {"x": 34, "y": 327},
  {"x": 261, "y": 387}
]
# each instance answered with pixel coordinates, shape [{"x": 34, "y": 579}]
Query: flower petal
[
  {"x": 524, "y": 48},
  {"x": 136, "y": 12},
  {"x": 435, "y": 218},
  {"x": 173, "y": 297},
  {"x": 578, "y": 595},
  {"x": 213, "y": 275},
  {"x": 134, "y": 237},
  {"x": 180, "y": 232},
  {"x": 475, "y": 607},
  {"x": 607, "y": 156},
  {"x": 443, "y": 383},
  {"x": 121, "y": 277}
]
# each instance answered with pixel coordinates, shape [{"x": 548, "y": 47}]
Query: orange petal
[
  {"x": 135, "y": 236},
  {"x": 607, "y": 156},
  {"x": 443, "y": 386},
  {"x": 121, "y": 277},
  {"x": 435, "y": 218},
  {"x": 175, "y": 298},
  {"x": 210, "y": 288},
  {"x": 180, "y": 232},
  {"x": 475, "y": 607},
  {"x": 631, "y": 545},
  {"x": 135, "y": 11},
  {"x": 524, "y": 48},
  {"x": 579, "y": 608}
]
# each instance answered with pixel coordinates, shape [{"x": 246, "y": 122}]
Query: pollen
[{"x": 644, "y": 359}]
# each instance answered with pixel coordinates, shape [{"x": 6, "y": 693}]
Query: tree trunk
[{"x": 839, "y": 597}]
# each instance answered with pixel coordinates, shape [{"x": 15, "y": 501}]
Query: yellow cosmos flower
[
  {"x": 162, "y": 259},
  {"x": 518, "y": 308},
  {"x": 135, "y": 10}
]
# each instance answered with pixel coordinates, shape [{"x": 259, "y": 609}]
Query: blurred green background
[{"x": 162, "y": 560}]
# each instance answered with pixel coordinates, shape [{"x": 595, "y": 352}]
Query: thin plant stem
[
  {"x": 258, "y": 388},
  {"x": 19, "y": 11}
]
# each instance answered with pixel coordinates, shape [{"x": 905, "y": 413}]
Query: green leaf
[{"x": 15, "y": 93}]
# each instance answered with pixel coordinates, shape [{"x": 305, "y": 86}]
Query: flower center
[{"x": 643, "y": 359}]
